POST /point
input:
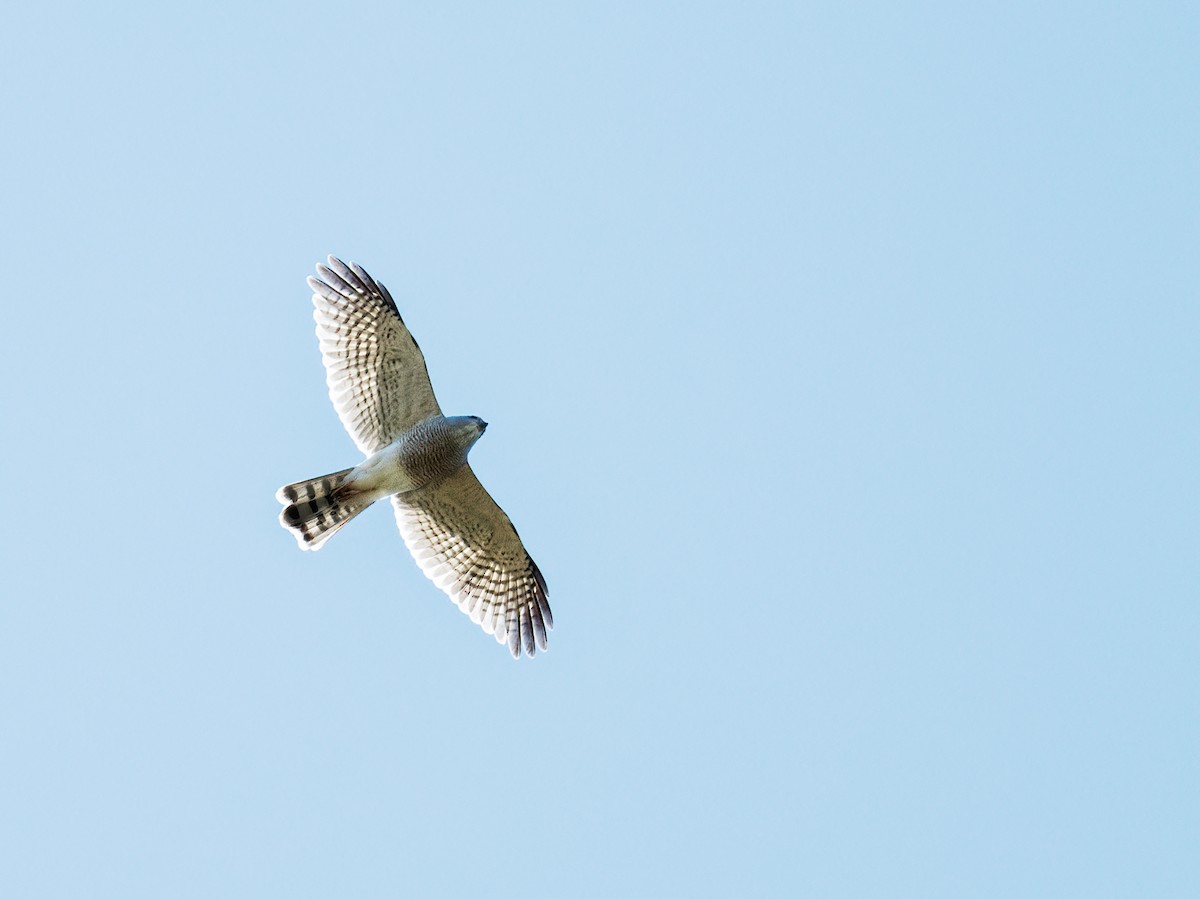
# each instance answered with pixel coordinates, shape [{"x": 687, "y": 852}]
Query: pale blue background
[{"x": 842, "y": 370}]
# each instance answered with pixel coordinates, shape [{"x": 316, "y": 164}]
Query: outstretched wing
[
  {"x": 376, "y": 373},
  {"x": 466, "y": 545}
]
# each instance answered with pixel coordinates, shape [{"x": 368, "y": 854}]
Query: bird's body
[
  {"x": 429, "y": 451},
  {"x": 459, "y": 537}
]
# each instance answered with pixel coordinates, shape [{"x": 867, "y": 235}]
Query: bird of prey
[{"x": 459, "y": 537}]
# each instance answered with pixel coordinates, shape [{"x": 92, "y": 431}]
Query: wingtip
[
  {"x": 331, "y": 262},
  {"x": 525, "y": 641},
  {"x": 513, "y": 633}
]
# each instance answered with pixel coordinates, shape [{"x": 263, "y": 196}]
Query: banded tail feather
[{"x": 314, "y": 512}]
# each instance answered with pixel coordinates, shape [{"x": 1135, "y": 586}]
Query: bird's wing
[
  {"x": 466, "y": 545},
  {"x": 376, "y": 373}
]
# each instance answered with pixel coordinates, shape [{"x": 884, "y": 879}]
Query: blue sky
[{"x": 840, "y": 362}]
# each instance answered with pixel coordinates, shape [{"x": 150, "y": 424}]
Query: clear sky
[{"x": 841, "y": 366}]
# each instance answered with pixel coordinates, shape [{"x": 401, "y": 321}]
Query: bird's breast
[{"x": 421, "y": 455}]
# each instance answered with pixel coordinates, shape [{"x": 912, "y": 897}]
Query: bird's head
[{"x": 467, "y": 429}]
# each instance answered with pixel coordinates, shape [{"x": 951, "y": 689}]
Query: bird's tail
[{"x": 313, "y": 510}]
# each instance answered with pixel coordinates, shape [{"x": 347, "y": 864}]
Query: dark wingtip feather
[
  {"x": 346, "y": 279},
  {"x": 349, "y": 275},
  {"x": 514, "y": 639},
  {"x": 542, "y": 592}
]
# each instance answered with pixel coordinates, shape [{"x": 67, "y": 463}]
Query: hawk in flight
[{"x": 380, "y": 388}]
